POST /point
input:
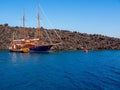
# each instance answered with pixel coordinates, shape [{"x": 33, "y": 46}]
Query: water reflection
[
  {"x": 27, "y": 57},
  {"x": 13, "y": 57}
]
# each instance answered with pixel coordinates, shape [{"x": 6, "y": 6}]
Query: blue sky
[{"x": 85, "y": 16}]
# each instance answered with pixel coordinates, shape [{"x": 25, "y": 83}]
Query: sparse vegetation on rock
[{"x": 70, "y": 40}]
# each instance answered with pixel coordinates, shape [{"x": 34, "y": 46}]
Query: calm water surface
[{"x": 71, "y": 70}]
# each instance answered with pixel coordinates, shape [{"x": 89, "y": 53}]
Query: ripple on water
[{"x": 60, "y": 71}]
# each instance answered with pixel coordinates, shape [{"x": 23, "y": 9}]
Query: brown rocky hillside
[{"x": 70, "y": 40}]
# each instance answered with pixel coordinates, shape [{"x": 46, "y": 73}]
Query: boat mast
[
  {"x": 39, "y": 23},
  {"x": 24, "y": 25},
  {"x": 13, "y": 36}
]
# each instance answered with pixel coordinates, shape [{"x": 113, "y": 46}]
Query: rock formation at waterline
[{"x": 69, "y": 40}]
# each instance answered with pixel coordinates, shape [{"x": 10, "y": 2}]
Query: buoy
[{"x": 86, "y": 51}]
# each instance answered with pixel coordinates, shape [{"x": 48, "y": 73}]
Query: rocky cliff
[{"x": 69, "y": 40}]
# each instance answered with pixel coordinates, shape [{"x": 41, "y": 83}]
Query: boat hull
[
  {"x": 19, "y": 51},
  {"x": 42, "y": 48}
]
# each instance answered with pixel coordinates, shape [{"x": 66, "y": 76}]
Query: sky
[{"x": 84, "y": 16}]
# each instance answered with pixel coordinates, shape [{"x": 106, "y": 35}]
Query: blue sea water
[{"x": 70, "y": 70}]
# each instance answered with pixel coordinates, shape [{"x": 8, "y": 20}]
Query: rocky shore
[{"x": 69, "y": 40}]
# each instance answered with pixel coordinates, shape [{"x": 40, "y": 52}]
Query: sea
[{"x": 65, "y": 70}]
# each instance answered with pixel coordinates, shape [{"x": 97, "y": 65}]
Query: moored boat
[
  {"x": 29, "y": 45},
  {"x": 41, "y": 48}
]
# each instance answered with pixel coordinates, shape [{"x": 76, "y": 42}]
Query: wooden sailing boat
[
  {"x": 37, "y": 46},
  {"x": 19, "y": 45},
  {"x": 29, "y": 45}
]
